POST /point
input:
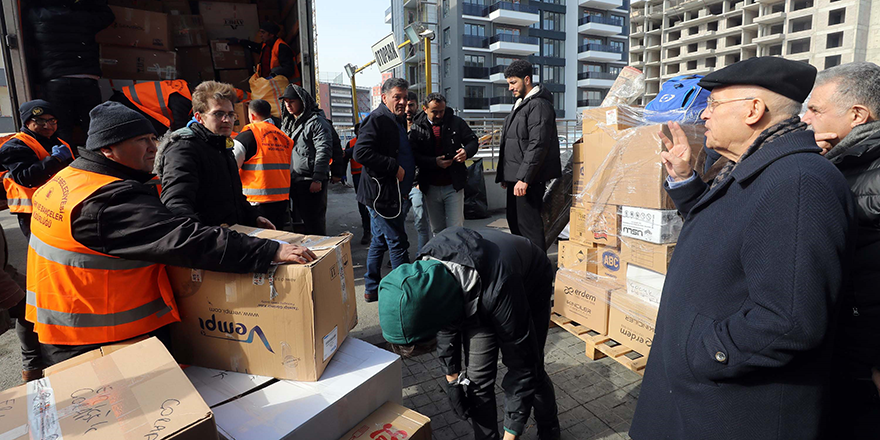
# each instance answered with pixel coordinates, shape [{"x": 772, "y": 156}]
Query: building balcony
[
  {"x": 599, "y": 26},
  {"x": 685, "y": 5},
  {"x": 767, "y": 39},
  {"x": 410, "y": 4},
  {"x": 775, "y": 17},
  {"x": 340, "y": 93},
  {"x": 473, "y": 9},
  {"x": 476, "y": 103},
  {"x": 496, "y": 75},
  {"x": 599, "y": 52},
  {"x": 473, "y": 72},
  {"x": 697, "y": 54},
  {"x": 341, "y": 114},
  {"x": 636, "y": 3},
  {"x": 636, "y": 49},
  {"x": 602, "y": 4},
  {"x": 513, "y": 44},
  {"x": 589, "y": 102},
  {"x": 341, "y": 104},
  {"x": 388, "y": 16},
  {"x": 474, "y": 41},
  {"x": 513, "y": 14},
  {"x": 596, "y": 79},
  {"x": 501, "y": 104}
]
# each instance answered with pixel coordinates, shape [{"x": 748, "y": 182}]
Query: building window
[
  {"x": 476, "y": 30},
  {"x": 797, "y": 5},
  {"x": 618, "y": 46},
  {"x": 474, "y": 61},
  {"x": 799, "y": 46},
  {"x": 446, "y": 37},
  {"x": 553, "y": 21},
  {"x": 836, "y": 17},
  {"x": 558, "y": 100},
  {"x": 553, "y": 75},
  {"x": 710, "y": 62},
  {"x": 474, "y": 91},
  {"x": 445, "y": 8},
  {"x": 617, "y": 20},
  {"x": 591, "y": 68},
  {"x": 446, "y": 67},
  {"x": 553, "y": 48},
  {"x": 801, "y": 24},
  {"x": 775, "y": 50},
  {"x": 614, "y": 70},
  {"x": 832, "y": 61},
  {"x": 590, "y": 40},
  {"x": 502, "y": 30},
  {"x": 834, "y": 40},
  {"x": 504, "y": 61}
]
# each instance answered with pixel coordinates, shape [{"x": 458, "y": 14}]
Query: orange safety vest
[
  {"x": 77, "y": 296},
  {"x": 152, "y": 97},
  {"x": 18, "y": 197},
  {"x": 355, "y": 166},
  {"x": 275, "y": 62},
  {"x": 265, "y": 178}
]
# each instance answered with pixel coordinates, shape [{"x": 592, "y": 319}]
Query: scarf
[
  {"x": 855, "y": 137},
  {"x": 790, "y": 125}
]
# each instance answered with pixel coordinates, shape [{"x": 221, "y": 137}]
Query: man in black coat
[
  {"x": 745, "y": 326},
  {"x": 441, "y": 143},
  {"x": 490, "y": 291},
  {"x": 844, "y": 111},
  {"x": 529, "y": 153}
]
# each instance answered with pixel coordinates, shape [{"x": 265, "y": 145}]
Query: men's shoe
[
  {"x": 29, "y": 375},
  {"x": 371, "y": 296},
  {"x": 366, "y": 239},
  {"x": 554, "y": 433}
]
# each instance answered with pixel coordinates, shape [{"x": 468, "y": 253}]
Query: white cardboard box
[
  {"x": 645, "y": 284},
  {"x": 360, "y": 379},
  {"x": 658, "y": 226}
]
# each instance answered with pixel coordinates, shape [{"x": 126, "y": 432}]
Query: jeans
[
  {"x": 308, "y": 207},
  {"x": 72, "y": 99},
  {"x": 524, "y": 213},
  {"x": 420, "y": 216},
  {"x": 445, "y": 207},
  {"x": 362, "y": 209},
  {"x": 388, "y": 234}
]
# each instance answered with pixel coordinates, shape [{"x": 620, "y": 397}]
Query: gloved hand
[
  {"x": 61, "y": 153},
  {"x": 458, "y": 399}
]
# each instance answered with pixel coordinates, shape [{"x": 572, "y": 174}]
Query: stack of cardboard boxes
[{"x": 623, "y": 227}]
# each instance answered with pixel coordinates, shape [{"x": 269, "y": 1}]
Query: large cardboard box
[
  {"x": 194, "y": 64},
  {"x": 286, "y": 324},
  {"x": 226, "y": 20},
  {"x": 615, "y": 118},
  {"x": 651, "y": 256},
  {"x": 187, "y": 30},
  {"x": 136, "y": 391},
  {"x": 577, "y": 256},
  {"x": 391, "y": 421},
  {"x": 658, "y": 226},
  {"x": 176, "y": 7},
  {"x": 631, "y": 322},
  {"x": 644, "y": 283},
  {"x": 595, "y": 224},
  {"x": 238, "y": 78},
  {"x": 137, "y": 28},
  {"x": 611, "y": 266},
  {"x": 228, "y": 56},
  {"x": 241, "y": 116},
  {"x": 360, "y": 379},
  {"x": 583, "y": 298},
  {"x": 139, "y": 64}
]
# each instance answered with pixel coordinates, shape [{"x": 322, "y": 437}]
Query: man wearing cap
[
  {"x": 276, "y": 57},
  {"x": 31, "y": 157},
  {"x": 481, "y": 292},
  {"x": 743, "y": 340},
  {"x": 101, "y": 240}
]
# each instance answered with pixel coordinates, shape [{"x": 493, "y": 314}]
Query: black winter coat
[
  {"x": 312, "y": 137},
  {"x": 126, "y": 219},
  {"x": 200, "y": 179},
  {"x": 745, "y": 328},
  {"x": 515, "y": 279},
  {"x": 377, "y": 147},
  {"x": 64, "y": 36},
  {"x": 857, "y": 347},
  {"x": 23, "y": 165},
  {"x": 454, "y": 134},
  {"x": 529, "y": 142}
]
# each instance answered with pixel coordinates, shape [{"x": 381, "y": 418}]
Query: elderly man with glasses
[
  {"x": 197, "y": 167},
  {"x": 743, "y": 339}
]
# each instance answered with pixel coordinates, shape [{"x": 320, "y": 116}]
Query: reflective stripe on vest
[
  {"x": 152, "y": 97},
  {"x": 265, "y": 178},
  {"x": 18, "y": 197},
  {"x": 78, "y": 296}
]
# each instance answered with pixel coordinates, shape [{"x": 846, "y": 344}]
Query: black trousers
[
  {"x": 53, "y": 354},
  {"x": 24, "y": 223},
  {"x": 30, "y": 343},
  {"x": 524, "y": 213},
  {"x": 276, "y": 212},
  {"x": 855, "y": 408},
  {"x": 72, "y": 99},
  {"x": 308, "y": 209}
]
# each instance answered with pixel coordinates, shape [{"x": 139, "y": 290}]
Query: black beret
[
  {"x": 792, "y": 79},
  {"x": 33, "y": 108}
]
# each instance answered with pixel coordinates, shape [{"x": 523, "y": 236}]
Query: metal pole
[
  {"x": 427, "y": 66},
  {"x": 354, "y": 101}
]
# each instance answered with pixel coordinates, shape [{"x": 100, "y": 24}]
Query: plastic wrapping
[
  {"x": 627, "y": 88},
  {"x": 476, "y": 202},
  {"x": 557, "y": 200}
]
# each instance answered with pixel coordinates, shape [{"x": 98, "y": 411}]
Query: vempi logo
[
  {"x": 231, "y": 328},
  {"x": 611, "y": 261}
]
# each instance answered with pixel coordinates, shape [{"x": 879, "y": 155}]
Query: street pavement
[{"x": 596, "y": 399}]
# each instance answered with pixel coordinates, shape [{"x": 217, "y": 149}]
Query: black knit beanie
[
  {"x": 37, "y": 107},
  {"x": 112, "y": 123}
]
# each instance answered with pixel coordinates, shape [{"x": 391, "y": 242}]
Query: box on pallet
[
  {"x": 651, "y": 256},
  {"x": 583, "y": 298},
  {"x": 286, "y": 324},
  {"x": 658, "y": 226},
  {"x": 611, "y": 266},
  {"x": 631, "y": 321},
  {"x": 392, "y": 421},
  {"x": 137, "y": 28},
  {"x": 227, "y": 20},
  {"x": 119, "y": 62},
  {"x": 194, "y": 64},
  {"x": 597, "y": 224},
  {"x": 577, "y": 256},
  {"x": 228, "y": 56},
  {"x": 187, "y": 30},
  {"x": 644, "y": 283}
]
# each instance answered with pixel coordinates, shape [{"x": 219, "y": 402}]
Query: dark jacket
[
  {"x": 23, "y": 165},
  {"x": 377, "y": 147},
  {"x": 64, "y": 36},
  {"x": 454, "y": 134},
  {"x": 200, "y": 179},
  {"x": 126, "y": 219},
  {"x": 180, "y": 106},
  {"x": 515, "y": 280},
  {"x": 744, "y": 331},
  {"x": 285, "y": 58},
  {"x": 338, "y": 163},
  {"x": 312, "y": 135},
  {"x": 529, "y": 143},
  {"x": 857, "y": 348}
]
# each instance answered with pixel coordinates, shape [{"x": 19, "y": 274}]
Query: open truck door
[{"x": 14, "y": 86}]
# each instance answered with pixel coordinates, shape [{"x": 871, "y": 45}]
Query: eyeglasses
[
  {"x": 232, "y": 116},
  {"x": 714, "y": 103},
  {"x": 45, "y": 122}
]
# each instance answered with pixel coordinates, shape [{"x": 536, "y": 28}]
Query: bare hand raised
[
  {"x": 822, "y": 141},
  {"x": 677, "y": 157},
  {"x": 293, "y": 253}
]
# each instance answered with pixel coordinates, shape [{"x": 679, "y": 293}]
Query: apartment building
[
  {"x": 335, "y": 100},
  {"x": 401, "y": 14},
  {"x": 682, "y": 37}
]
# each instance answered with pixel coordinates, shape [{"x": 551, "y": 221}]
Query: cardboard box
[
  {"x": 615, "y": 118},
  {"x": 643, "y": 283},
  {"x": 583, "y": 298},
  {"x": 595, "y": 225},
  {"x": 139, "y": 64},
  {"x": 136, "y": 391},
  {"x": 187, "y": 30},
  {"x": 146, "y": 5},
  {"x": 286, "y": 325},
  {"x": 588, "y": 158},
  {"x": 194, "y": 64},
  {"x": 241, "y": 114},
  {"x": 651, "y": 256},
  {"x": 631, "y": 322},
  {"x": 359, "y": 380},
  {"x": 658, "y": 226},
  {"x": 225, "y": 20},
  {"x": 238, "y": 78},
  {"x": 174, "y": 7},
  {"x": 576, "y": 256},
  {"x": 137, "y": 28},
  {"x": 611, "y": 266},
  {"x": 228, "y": 56},
  {"x": 391, "y": 421}
]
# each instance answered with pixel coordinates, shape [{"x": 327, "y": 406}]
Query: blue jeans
[
  {"x": 388, "y": 234},
  {"x": 420, "y": 216}
]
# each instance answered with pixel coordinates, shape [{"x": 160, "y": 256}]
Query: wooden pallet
[{"x": 599, "y": 346}]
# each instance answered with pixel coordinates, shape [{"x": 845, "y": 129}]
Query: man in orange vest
[
  {"x": 31, "y": 157},
  {"x": 276, "y": 56},
  {"x": 101, "y": 239},
  {"x": 356, "y": 180},
  {"x": 265, "y": 171},
  {"x": 166, "y": 104}
]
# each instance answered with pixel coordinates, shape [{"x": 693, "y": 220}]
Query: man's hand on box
[
  {"x": 263, "y": 222},
  {"x": 677, "y": 157},
  {"x": 293, "y": 253}
]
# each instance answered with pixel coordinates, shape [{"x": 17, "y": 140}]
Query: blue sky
[{"x": 346, "y": 30}]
